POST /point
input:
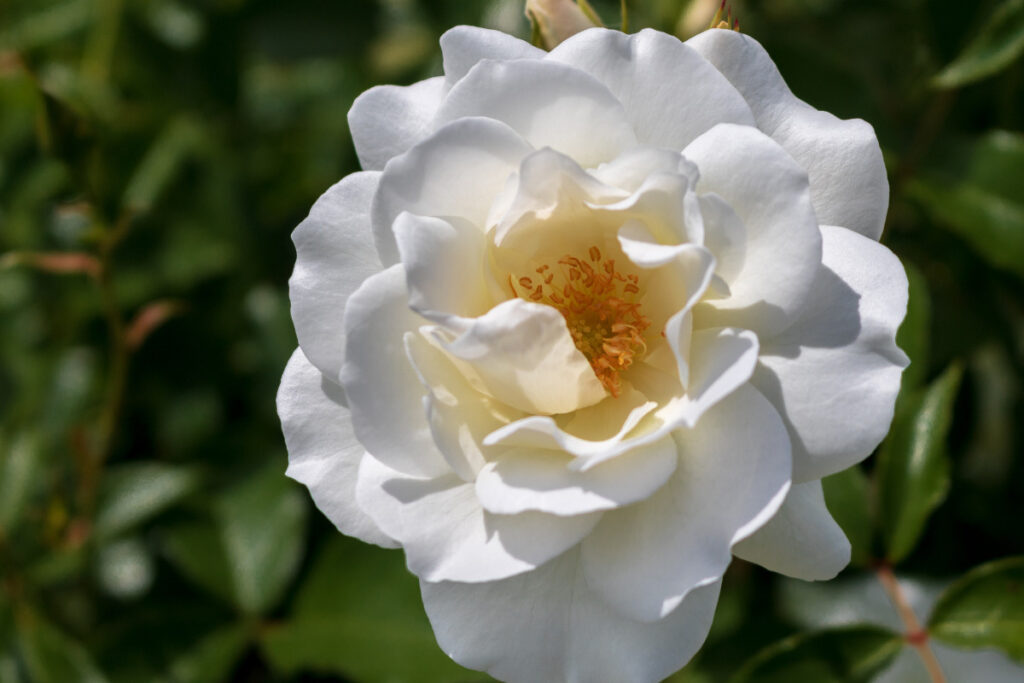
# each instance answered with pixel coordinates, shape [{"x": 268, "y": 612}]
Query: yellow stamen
[{"x": 597, "y": 302}]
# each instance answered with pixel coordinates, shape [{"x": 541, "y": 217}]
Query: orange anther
[{"x": 604, "y": 326}]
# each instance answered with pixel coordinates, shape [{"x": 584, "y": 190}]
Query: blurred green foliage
[{"x": 154, "y": 158}]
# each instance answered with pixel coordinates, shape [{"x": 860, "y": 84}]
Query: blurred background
[{"x": 155, "y": 156}]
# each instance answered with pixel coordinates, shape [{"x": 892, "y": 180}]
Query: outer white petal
[
  {"x": 383, "y": 392},
  {"x": 548, "y": 625},
  {"x": 323, "y": 453},
  {"x": 457, "y": 171},
  {"x": 671, "y": 94},
  {"x": 733, "y": 473},
  {"x": 464, "y": 46},
  {"x": 835, "y": 373},
  {"x": 388, "y": 119},
  {"x": 769, "y": 193},
  {"x": 848, "y": 181},
  {"x": 522, "y": 354},
  {"x": 534, "y": 479},
  {"x": 801, "y": 540},
  {"x": 549, "y": 104},
  {"x": 334, "y": 254},
  {"x": 447, "y": 536}
]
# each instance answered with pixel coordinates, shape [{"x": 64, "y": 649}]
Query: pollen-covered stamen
[{"x": 598, "y": 303}]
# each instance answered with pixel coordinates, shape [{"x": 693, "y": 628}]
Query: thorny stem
[{"x": 916, "y": 635}]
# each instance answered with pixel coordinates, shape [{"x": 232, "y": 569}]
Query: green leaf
[
  {"x": 249, "y": 547},
  {"x": 1000, "y": 42},
  {"x": 914, "y": 334},
  {"x": 848, "y": 498},
  {"x": 212, "y": 658},
  {"x": 984, "y": 609},
  {"x": 160, "y": 165},
  {"x": 366, "y": 647},
  {"x": 51, "y": 656},
  {"x": 263, "y": 522},
  {"x": 135, "y": 492},
  {"x": 359, "y": 614},
  {"x": 54, "y": 24},
  {"x": 982, "y": 204},
  {"x": 997, "y": 163},
  {"x": 196, "y": 548},
  {"x": 913, "y": 465},
  {"x": 992, "y": 225},
  {"x": 20, "y": 464},
  {"x": 843, "y": 655}
]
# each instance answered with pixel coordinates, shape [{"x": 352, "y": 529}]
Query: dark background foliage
[{"x": 155, "y": 156}]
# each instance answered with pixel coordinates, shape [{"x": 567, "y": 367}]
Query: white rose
[{"x": 591, "y": 323}]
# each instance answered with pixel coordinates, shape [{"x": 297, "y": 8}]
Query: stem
[
  {"x": 916, "y": 635},
  {"x": 94, "y": 458}
]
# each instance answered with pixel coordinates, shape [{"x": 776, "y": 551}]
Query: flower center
[{"x": 599, "y": 306}]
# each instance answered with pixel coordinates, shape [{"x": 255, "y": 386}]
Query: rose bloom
[{"x": 589, "y": 324}]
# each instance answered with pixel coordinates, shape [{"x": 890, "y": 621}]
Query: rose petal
[
  {"x": 522, "y": 354},
  {"x": 632, "y": 168},
  {"x": 835, "y": 373},
  {"x": 444, "y": 266},
  {"x": 549, "y": 104},
  {"x": 388, "y": 120},
  {"x": 667, "y": 205},
  {"x": 548, "y": 625},
  {"x": 464, "y": 46},
  {"x": 622, "y": 414},
  {"x": 460, "y": 417},
  {"x": 383, "y": 392},
  {"x": 725, "y": 236},
  {"x": 323, "y": 453},
  {"x": 842, "y": 158},
  {"x": 457, "y": 171},
  {"x": 642, "y": 249},
  {"x": 721, "y": 359},
  {"x": 801, "y": 540},
  {"x": 534, "y": 479},
  {"x": 334, "y": 254},
  {"x": 552, "y": 193},
  {"x": 447, "y": 536},
  {"x": 733, "y": 473},
  {"x": 769, "y": 193},
  {"x": 670, "y": 93}
]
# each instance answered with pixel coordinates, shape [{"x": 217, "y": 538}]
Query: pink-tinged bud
[{"x": 556, "y": 20}]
